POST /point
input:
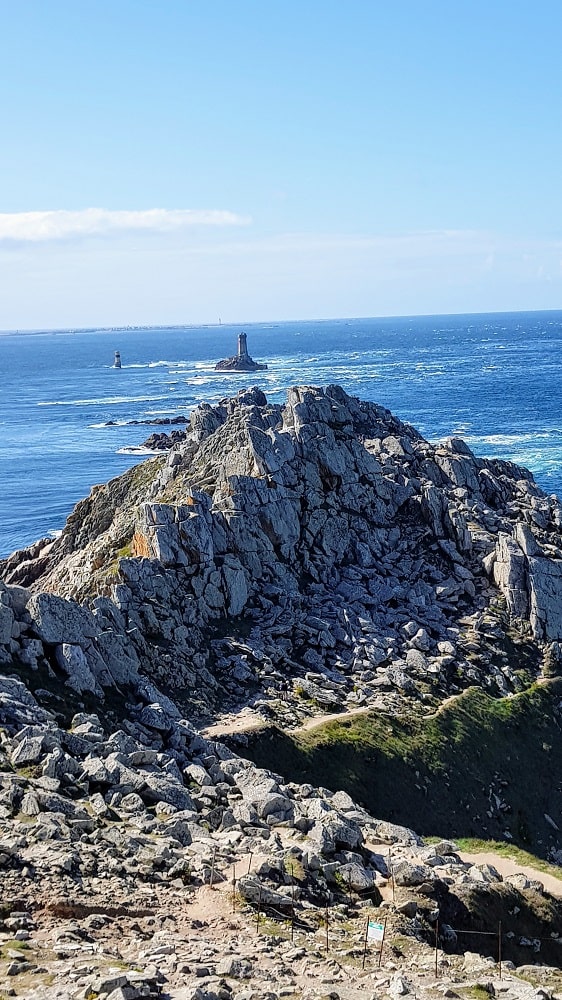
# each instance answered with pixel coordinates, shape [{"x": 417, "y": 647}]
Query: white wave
[
  {"x": 507, "y": 440},
  {"x": 201, "y": 380},
  {"x": 55, "y": 533},
  {"x": 112, "y": 423},
  {"x": 158, "y": 364},
  {"x": 102, "y": 401},
  {"x": 139, "y": 450},
  {"x": 167, "y": 412}
]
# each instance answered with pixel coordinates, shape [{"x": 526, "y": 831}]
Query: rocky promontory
[{"x": 280, "y": 562}]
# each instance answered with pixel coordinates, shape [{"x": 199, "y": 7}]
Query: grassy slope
[{"x": 440, "y": 775}]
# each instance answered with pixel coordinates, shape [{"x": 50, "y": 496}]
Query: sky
[{"x": 177, "y": 161}]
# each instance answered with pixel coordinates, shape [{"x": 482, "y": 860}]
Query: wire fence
[{"x": 294, "y": 920}]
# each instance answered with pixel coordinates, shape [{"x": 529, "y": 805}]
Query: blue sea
[{"x": 493, "y": 379}]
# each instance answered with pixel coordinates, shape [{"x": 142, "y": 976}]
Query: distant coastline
[{"x": 41, "y": 332}]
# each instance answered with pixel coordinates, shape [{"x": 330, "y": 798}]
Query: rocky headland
[{"x": 279, "y": 567}]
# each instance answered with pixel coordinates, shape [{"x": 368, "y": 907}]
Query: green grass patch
[
  {"x": 15, "y": 945},
  {"x": 482, "y": 767}
]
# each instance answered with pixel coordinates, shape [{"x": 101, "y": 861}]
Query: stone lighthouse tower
[
  {"x": 243, "y": 346},
  {"x": 241, "y": 362}
]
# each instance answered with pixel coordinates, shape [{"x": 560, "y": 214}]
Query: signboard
[{"x": 375, "y": 932}]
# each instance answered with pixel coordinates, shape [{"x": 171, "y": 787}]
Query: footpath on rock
[
  {"x": 508, "y": 867},
  {"x": 316, "y": 566}
]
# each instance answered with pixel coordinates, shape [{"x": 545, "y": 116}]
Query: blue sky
[{"x": 177, "y": 161}]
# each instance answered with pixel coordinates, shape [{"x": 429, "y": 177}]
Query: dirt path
[
  {"x": 507, "y": 866},
  {"x": 248, "y": 720},
  {"x": 242, "y": 722},
  {"x": 321, "y": 720}
]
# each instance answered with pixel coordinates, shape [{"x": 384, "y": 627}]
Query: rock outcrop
[
  {"x": 316, "y": 556},
  {"x": 323, "y": 544}
]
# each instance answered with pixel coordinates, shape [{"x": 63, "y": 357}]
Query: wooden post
[
  {"x": 500, "y": 947},
  {"x": 292, "y": 903},
  {"x": 365, "y": 944},
  {"x": 258, "y": 913},
  {"x": 382, "y": 942},
  {"x": 234, "y": 888},
  {"x": 349, "y": 887},
  {"x": 391, "y": 869},
  {"x": 212, "y": 875},
  {"x": 327, "y": 929},
  {"x": 436, "y": 948}
]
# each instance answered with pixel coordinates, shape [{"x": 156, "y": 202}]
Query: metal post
[
  {"x": 292, "y": 903},
  {"x": 258, "y": 913},
  {"x": 327, "y": 929},
  {"x": 249, "y": 864},
  {"x": 365, "y": 944},
  {"x": 234, "y": 888},
  {"x": 500, "y": 947},
  {"x": 212, "y": 875},
  {"x": 436, "y": 948},
  {"x": 382, "y": 942}
]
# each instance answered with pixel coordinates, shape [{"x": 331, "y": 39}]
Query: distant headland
[{"x": 241, "y": 362}]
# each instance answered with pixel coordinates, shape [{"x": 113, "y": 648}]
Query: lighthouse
[
  {"x": 243, "y": 346},
  {"x": 117, "y": 362},
  {"x": 241, "y": 362}
]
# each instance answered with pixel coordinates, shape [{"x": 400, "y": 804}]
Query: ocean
[{"x": 66, "y": 413}]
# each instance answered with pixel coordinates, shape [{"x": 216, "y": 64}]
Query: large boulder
[{"x": 56, "y": 620}]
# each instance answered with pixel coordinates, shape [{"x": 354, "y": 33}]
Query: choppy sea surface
[{"x": 493, "y": 379}]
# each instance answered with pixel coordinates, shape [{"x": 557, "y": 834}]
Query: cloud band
[{"x": 41, "y": 227}]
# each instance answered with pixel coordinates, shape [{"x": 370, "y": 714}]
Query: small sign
[{"x": 375, "y": 932}]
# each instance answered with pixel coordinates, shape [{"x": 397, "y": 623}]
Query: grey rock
[
  {"x": 73, "y": 661},
  {"x": 57, "y": 620},
  {"x": 6, "y": 624}
]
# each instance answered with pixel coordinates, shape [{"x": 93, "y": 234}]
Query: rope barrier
[
  {"x": 506, "y": 934},
  {"x": 361, "y": 896}
]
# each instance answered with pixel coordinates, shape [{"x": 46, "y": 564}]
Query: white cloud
[{"x": 59, "y": 224}]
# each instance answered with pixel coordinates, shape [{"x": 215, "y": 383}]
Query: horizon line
[{"x": 125, "y": 327}]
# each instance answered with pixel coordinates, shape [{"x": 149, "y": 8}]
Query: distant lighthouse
[
  {"x": 117, "y": 362},
  {"x": 242, "y": 346},
  {"x": 241, "y": 362}
]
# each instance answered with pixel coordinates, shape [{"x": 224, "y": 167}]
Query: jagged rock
[
  {"x": 356, "y": 877},
  {"x": 408, "y": 874},
  {"x": 511, "y": 574},
  {"x": 28, "y": 751},
  {"x": 545, "y": 578},
  {"x": 255, "y": 892},
  {"x": 331, "y": 830},
  {"x": 57, "y": 620},
  {"x": 6, "y": 624},
  {"x": 484, "y": 873},
  {"x": 74, "y": 662}
]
